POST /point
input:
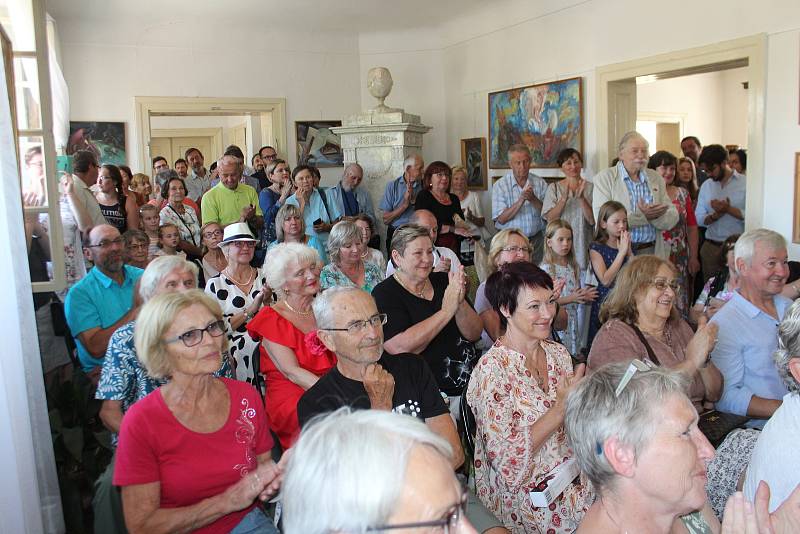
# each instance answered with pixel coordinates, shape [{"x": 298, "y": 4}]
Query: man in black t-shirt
[{"x": 366, "y": 378}]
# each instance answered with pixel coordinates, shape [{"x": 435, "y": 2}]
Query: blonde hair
[
  {"x": 499, "y": 242},
  {"x": 631, "y": 281},
  {"x": 161, "y": 232},
  {"x": 138, "y": 179},
  {"x": 156, "y": 317},
  {"x": 549, "y": 257},
  {"x": 286, "y": 211}
]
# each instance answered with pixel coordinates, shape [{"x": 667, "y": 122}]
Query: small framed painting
[
  {"x": 105, "y": 139},
  {"x": 473, "y": 158},
  {"x": 317, "y": 145}
]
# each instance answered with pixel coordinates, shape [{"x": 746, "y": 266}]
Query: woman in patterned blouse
[
  {"x": 347, "y": 267},
  {"x": 517, "y": 393}
]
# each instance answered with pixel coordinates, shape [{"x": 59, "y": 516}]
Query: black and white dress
[{"x": 243, "y": 348}]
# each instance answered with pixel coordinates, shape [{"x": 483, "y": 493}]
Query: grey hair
[
  {"x": 159, "y": 268},
  {"x": 745, "y": 246},
  {"x": 351, "y": 166},
  {"x": 358, "y": 460},
  {"x": 410, "y": 160},
  {"x": 284, "y": 213},
  {"x": 594, "y": 414},
  {"x": 323, "y": 303},
  {"x": 519, "y": 148},
  {"x": 276, "y": 262},
  {"x": 628, "y": 137},
  {"x": 405, "y": 235},
  {"x": 788, "y": 346},
  {"x": 224, "y": 160},
  {"x": 163, "y": 177},
  {"x": 342, "y": 233}
]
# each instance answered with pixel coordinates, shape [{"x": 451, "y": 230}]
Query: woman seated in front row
[
  {"x": 640, "y": 320},
  {"x": 517, "y": 393}
]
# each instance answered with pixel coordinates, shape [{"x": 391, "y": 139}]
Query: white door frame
[
  {"x": 753, "y": 48},
  {"x": 146, "y": 106}
]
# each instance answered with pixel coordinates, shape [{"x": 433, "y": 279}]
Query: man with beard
[
  {"x": 691, "y": 147},
  {"x": 199, "y": 181},
  {"x": 103, "y": 300},
  {"x": 259, "y": 165},
  {"x": 720, "y": 205},
  {"x": 642, "y": 191}
]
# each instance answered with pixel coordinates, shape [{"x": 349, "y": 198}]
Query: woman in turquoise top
[
  {"x": 290, "y": 228},
  {"x": 347, "y": 267},
  {"x": 312, "y": 206}
]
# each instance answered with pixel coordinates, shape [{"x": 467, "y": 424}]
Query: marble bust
[{"x": 379, "y": 84}]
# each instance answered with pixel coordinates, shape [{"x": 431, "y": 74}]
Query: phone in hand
[
  {"x": 63, "y": 164},
  {"x": 317, "y": 222}
]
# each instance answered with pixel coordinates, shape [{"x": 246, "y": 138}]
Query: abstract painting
[
  {"x": 473, "y": 158},
  {"x": 105, "y": 139},
  {"x": 547, "y": 117},
  {"x": 317, "y": 145}
]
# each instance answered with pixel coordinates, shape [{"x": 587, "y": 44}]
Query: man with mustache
[
  {"x": 103, "y": 300},
  {"x": 642, "y": 191}
]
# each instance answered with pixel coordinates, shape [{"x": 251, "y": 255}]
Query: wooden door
[
  {"x": 668, "y": 137},
  {"x": 160, "y": 146},
  {"x": 238, "y": 137},
  {"x": 205, "y": 144},
  {"x": 621, "y": 113}
]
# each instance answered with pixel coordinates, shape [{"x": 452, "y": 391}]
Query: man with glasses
[
  {"x": 160, "y": 164},
  {"x": 720, "y": 205},
  {"x": 103, "y": 300}
]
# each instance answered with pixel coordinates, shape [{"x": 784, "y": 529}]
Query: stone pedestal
[{"x": 379, "y": 142}]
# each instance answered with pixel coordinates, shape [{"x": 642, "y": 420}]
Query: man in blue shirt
[
  {"x": 102, "y": 301},
  {"x": 748, "y": 328},
  {"x": 399, "y": 197},
  {"x": 720, "y": 205},
  {"x": 347, "y": 198}
]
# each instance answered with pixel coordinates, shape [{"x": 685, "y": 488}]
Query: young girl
[
  {"x": 168, "y": 238},
  {"x": 150, "y": 223},
  {"x": 559, "y": 262},
  {"x": 608, "y": 253}
]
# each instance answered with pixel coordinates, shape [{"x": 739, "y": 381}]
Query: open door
[{"x": 621, "y": 113}]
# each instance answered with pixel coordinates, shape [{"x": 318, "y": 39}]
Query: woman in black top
[
  {"x": 119, "y": 210},
  {"x": 443, "y": 204},
  {"x": 428, "y": 314}
]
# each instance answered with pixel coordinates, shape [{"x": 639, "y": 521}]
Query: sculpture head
[{"x": 379, "y": 83}]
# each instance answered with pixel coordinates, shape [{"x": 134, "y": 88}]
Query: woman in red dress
[{"x": 290, "y": 365}]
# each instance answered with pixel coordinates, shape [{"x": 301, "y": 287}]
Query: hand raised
[
  {"x": 702, "y": 343},
  {"x": 379, "y": 385}
]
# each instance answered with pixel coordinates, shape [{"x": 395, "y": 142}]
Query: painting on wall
[
  {"x": 473, "y": 158},
  {"x": 796, "y": 221},
  {"x": 547, "y": 117},
  {"x": 317, "y": 145},
  {"x": 105, "y": 139}
]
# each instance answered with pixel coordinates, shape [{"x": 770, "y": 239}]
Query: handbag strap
[{"x": 650, "y": 353}]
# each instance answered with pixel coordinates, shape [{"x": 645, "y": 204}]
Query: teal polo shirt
[{"x": 98, "y": 301}]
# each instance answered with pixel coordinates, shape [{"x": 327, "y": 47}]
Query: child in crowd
[
  {"x": 168, "y": 238},
  {"x": 608, "y": 253},
  {"x": 136, "y": 245},
  {"x": 559, "y": 262},
  {"x": 148, "y": 214}
]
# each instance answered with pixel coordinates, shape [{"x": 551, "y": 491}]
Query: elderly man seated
[{"x": 748, "y": 328}]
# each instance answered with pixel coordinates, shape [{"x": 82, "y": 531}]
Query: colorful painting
[
  {"x": 547, "y": 117},
  {"x": 317, "y": 145},
  {"x": 105, "y": 139},
  {"x": 473, "y": 159}
]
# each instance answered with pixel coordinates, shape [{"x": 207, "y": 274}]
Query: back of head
[
  {"x": 82, "y": 159},
  {"x": 347, "y": 470}
]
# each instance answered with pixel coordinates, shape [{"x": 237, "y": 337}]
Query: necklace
[
  {"x": 420, "y": 294},
  {"x": 302, "y": 313},
  {"x": 238, "y": 283}
]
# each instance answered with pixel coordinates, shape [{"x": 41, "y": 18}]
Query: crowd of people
[{"x": 248, "y": 334}]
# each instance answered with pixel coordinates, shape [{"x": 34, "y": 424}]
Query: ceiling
[{"x": 321, "y": 15}]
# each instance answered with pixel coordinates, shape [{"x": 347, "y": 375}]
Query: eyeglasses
[
  {"x": 269, "y": 156},
  {"x": 449, "y": 523},
  {"x": 516, "y": 250},
  {"x": 244, "y": 244},
  {"x": 195, "y": 336},
  {"x": 140, "y": 246},
  {"x": 215, "y": 233},
  {"x": 105, "y": 243},
  {"x": 640, "y": 366},
  {"x": 356, "y": 327},
  {"x": 662, "y": 283}
]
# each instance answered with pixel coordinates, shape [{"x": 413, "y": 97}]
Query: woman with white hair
[
  {"x": 634, "y": 434},
  {"x": 383, "y": 472},
  {"x": 194, "y": 455},
  {"x": 241, "y": 291},
  {"x": 292, "y": 358},
  {"x": 348, "y": 267}
]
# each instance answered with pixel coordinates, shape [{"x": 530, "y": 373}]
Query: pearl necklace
[
  {"x": 238, "y": 283},
  {"x": 301, "y": 313}
]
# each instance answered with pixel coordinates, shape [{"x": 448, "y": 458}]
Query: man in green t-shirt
[{"x": 230, "y": 200}]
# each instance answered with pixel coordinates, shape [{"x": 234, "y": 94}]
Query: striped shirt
[{"x": 639, "y": 190}]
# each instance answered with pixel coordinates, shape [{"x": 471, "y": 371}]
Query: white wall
[{"x": 734, "y": 107}]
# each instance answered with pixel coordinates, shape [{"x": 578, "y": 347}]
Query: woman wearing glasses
[
  {"x": 241, "y": 291},
  {"x": 517, "y": 393},
  {"x": 292, "y": 358},
  {"x": 213, "y": 260},
  {"x": 194, "y": 455},
  {"x": 640, "y": 320}
]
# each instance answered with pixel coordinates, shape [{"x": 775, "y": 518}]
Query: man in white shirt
[{"x": 444, "y": 259}]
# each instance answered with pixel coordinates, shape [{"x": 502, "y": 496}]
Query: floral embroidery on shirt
[{"x": 246, "y": 433}]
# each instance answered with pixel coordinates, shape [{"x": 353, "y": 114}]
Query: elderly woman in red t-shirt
[{"x": 194, "y": 455}]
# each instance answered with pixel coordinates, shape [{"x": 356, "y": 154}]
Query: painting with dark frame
[
  {"x": 317, "y": 145},
  {"x": 105, "y": 139},
  {"x": 473, "y": 159},
  {"x": 546, "y": 117}
]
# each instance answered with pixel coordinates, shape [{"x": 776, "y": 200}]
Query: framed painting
[
  {"x": 105, "y": 139},
  {"x": 473, "y": 158},
  {"x": 317, "y": 145},
  {"x": 547, "y": 117},
  {"x": 796, "y": 221}
]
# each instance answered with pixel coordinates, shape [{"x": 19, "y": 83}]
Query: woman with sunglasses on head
[
  {"x": 195, "y": 454},
  {"x": 241, "y": 291},
  {"x": 639, "y": 319}
]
